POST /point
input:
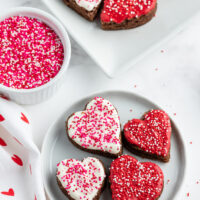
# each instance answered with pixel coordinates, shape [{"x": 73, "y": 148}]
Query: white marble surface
[{"x": 171, "y": 79}]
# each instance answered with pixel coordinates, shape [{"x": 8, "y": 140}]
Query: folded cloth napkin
[{"x": 20, "y": 166}]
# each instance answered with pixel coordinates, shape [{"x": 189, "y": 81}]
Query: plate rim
[
  {"x": 130, "y": 62},
  {"x": 58, "y": 117}
]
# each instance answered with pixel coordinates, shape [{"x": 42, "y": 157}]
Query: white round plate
[{"x": 57, "y": 147}]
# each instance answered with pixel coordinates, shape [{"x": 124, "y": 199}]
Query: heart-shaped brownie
[
  {"x": 125, "y": 14},
  {"x": 86, "y": 8},
  {"x": 97, "y": 129},
  {"x": 132, "y": 180},
  {"x": 149, "y": 137},
  {"x": 81, "y": 179}
]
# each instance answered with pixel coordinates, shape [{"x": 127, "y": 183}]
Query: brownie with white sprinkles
[
  {"x": 126, "y": 14},
  {"x": 149, "y": 136},
  {"x": 130, "y": 179}
]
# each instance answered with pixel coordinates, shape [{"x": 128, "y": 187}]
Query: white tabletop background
[{"x": 169, "y": 76}]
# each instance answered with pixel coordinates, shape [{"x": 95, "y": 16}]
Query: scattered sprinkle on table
[{"x": 31, "y": 53}]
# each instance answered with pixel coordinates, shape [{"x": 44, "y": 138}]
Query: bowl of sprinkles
[{"x": 35, "y": 51}]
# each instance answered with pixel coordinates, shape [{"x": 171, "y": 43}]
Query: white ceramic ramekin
[{"x": 39, "y": 94}]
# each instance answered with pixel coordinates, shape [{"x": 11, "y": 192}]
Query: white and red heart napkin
[{"x": 20, "y": 170}]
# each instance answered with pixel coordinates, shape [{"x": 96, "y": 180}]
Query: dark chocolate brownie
[{"x": 89, "y": 15}]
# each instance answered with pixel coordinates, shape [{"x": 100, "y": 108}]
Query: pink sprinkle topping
[
  {"x": 81, "y": 178},
  {"x": 31, "y": 53},
  {"x": 97, "y": 127}
]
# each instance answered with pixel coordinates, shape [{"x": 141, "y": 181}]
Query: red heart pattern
[
  {"x": 120, "y": 10},
  {"x": 152, "y": 134},
  {"x": 17, "y": 141},
  {"x": 14, "y": 157},
  {"x": 17, "y": 160},
  {"x": 10, "y": 192},
  {"x": 132, "y": 180},
  {"x": 2, "y": 142},
  {"x": 24, "y": 118},
  {"x": 1, "y": 118},
  {"x": 4, "y": 97}
]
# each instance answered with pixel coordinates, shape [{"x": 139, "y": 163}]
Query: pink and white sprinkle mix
[
  {"x": 96, "y": 128},
  {"x": 81, "y": 179},
  {"x": 31, "y": 53}
]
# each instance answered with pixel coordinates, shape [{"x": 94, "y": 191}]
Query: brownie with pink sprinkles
[
  {"x": 81, "y": 179},
  {"x": 31, "y": 53},
  {"x": 96, "y": 129},
  {"x": 86, "y": 8}
]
